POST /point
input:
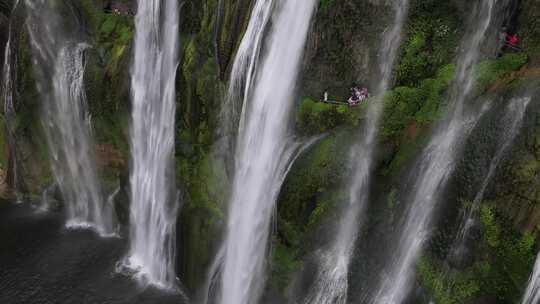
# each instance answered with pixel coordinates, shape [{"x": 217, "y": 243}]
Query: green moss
[
  {"x": 92, "y": 13},
  {"x": 492, "y": 232},
  {"x": 208, "y": 83},
  {"x": 432, "y": 37},
  {"x": 112, "y": 131},
  {"x": 490, "y": 70},
  {"x": 510, "y": 255},
  {"x": 108, "y": 25},
  {"x": 108, "y": 67},
  {"x": 400, "y": 106},
  {"x": 301, "y": 203},
  {"x": 284, "y": 264},
  {"x": 422, "y": 104},
  {"x": 325, "y": 4},
  {"x": 207, "y": 183},
  {"x": 405, "y": 152},
  {"x": 447, "y": 289},
  {"x": 433, "y": 90},
  {"x": 321, "y": 211},
  {"x": 526, "y": 169},
  {"x": 317, "y": 117},
  {"x": 414, "y": 60},
  {"x": 391, "y": 199}
]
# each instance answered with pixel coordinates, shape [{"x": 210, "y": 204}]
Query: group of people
[
  {"x": 357, "y": 96},
  {"x": 509, "y": 42}
]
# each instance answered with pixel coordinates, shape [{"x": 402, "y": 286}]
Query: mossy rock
[{"x": 315, "y": 117}]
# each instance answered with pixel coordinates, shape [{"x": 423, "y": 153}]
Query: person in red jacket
[{"x": 513, "y": 40}]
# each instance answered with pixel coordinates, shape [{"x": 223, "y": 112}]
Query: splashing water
[
  {"x": 331, "y": 284},
  {"x": 264, "y": 153},
  {"x": 59, "y": 65},
  {"x": 512, "y": 120},
  {"x": 435, "y": 166},
  {"x": 154, "y": 207}
]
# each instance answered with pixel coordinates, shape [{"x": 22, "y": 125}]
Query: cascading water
[
  {"x": 264, "y": 153},
  {"x": 9, "y": 73},
  {"x": 245, "y": 67},
  {"x": 331, "y": 284},
  {"x": 514, "y": 113},
  {"x": 154, "y": 205},
  {"x": 240, "y": 82},
  {"x": 532, "y": 293},
  {"x": 59, "y": 66},
  {"x": 112, "y": 197},
  {"x": 45, "y": 203},
  {"x": 435, "y": 166}
]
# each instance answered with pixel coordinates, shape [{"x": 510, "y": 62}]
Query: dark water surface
[{"x": 42, "y": 262}]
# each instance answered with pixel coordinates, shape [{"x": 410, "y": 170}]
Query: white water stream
[
  {"x": 9, "y": 73},
  {"x": 532, "y": 293},
  {"x": 154, "y": 205},
  {"x": 264, "y": 150},
  {"x": 245, "y": 66},
  {"x": 435, "y": 166},
  {"x": 331, "y": 284},
  {"x": 512, "y": 120},
  {"x": 59, "y": 64}
]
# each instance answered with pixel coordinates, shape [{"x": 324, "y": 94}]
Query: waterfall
[
  {"x": 512, "y": 120},
  {"x": 264, "y": 152},
  {"x": 331, "y": 283},
  {"x": 59, "y": 64},
  {"x": 435, "y": 167},
  {"x": 154, "y": 205},
  {"x": 532, "y": 293},
  {"x": 240, "y": 82},
  {"x": 9, "y": 73},
  {"x": 244, "y": 66}
]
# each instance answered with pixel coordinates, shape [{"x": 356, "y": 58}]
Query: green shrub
[
  {"x": 492, "y": 231},
  {"x": 447, "y": 289},
  {"x": 400, "y": 106},
  {"x": 422, "y": 104},
  {"x": 511, "y": 256},
  {"x": 432, "y": 37},
  {"x": 433, "y": 90},
  {"x": 414, "y": 60},
  {"x": 317, "y": 117}
]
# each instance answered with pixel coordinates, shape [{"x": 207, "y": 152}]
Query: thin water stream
[
  {"x": 436, "y": 164},
  {"x": 9, "y": 81},
  {"x": 532, "y": 293},
  {"x": 512, "y": 120},
  {"x": 331, "y": 284}
]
